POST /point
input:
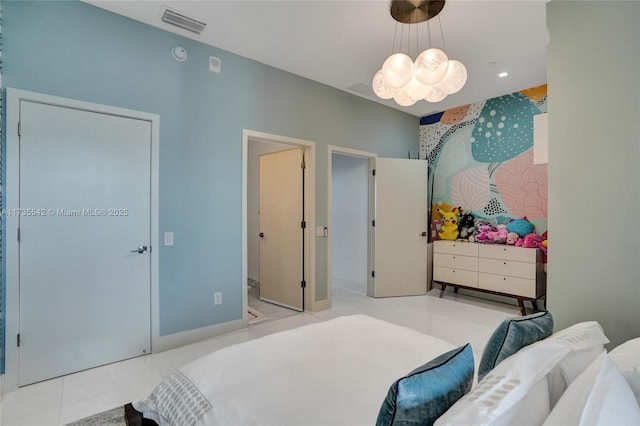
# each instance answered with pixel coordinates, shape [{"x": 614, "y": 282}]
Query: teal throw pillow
[
  {"x": 511, "y": 336},
  {"x": 427, "y": 392}
]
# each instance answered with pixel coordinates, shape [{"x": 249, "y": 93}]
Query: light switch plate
[
  {"x": 168, "y": 238},
  {"x": 319, "y": 231}
]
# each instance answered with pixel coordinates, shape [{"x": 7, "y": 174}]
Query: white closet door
[
  {"x": 401, "y": 227},
  {"x": 84, "y": 295}
]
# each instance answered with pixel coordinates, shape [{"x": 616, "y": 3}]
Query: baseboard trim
[
  {"x": 171, "y": 341},
  {"x": 320, "y": 305}
]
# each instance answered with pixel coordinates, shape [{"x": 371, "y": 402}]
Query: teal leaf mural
[{"x": 504, "y": 128}]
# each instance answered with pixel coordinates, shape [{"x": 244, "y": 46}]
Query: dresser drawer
[
  {"x": 455, "y": 261},
  {"x": 499, "y": 251},
  {"x": 455, "y": 247},
  {"x": 455, "y": 276},
  {"x": 510, "y": 285},
  {"x": 508, "y": 268}
]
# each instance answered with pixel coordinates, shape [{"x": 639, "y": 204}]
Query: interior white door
[
  {"x": 85, "y": 211},
  {"x": 400, "y": 248},
  {"x": 281, "y": 233}
]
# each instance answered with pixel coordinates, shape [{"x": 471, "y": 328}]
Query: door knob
[
  {"x": 261, "y": 235},
  {"x": 423, "y": 234},
  {"x": 139, "y": 250}
]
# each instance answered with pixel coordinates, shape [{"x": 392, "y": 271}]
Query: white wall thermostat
[{"x": 179, "y": 53}]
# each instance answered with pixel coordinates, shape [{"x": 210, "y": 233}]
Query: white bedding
[{"x": 330, "y": 373}]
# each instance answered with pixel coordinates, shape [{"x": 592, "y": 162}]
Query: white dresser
[{"x": 491, "y": 268}]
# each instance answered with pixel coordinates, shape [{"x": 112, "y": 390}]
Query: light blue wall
[{"x": 75, "y": 50}]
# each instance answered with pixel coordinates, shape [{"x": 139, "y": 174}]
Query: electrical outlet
[{"x": 217, "y": 298}]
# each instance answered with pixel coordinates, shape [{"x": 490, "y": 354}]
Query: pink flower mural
[
  {"x": 470, "y": 189},
  {"x": 523, "y": 186}
]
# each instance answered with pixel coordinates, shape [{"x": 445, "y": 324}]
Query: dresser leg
[
  {"x": 455, "y": 290},
  {"x": 523, "y": 311},
  {"x": 442, "y": 289},
  {"x": 534, "y": 303}
]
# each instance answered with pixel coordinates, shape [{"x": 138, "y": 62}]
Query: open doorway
[
  {"x": 258, "y": 147},
  {"x": 351, "y": 209},
  {"x": 349, "y": 221}
]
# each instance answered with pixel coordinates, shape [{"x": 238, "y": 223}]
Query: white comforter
[{"x": 330, "y": 373}]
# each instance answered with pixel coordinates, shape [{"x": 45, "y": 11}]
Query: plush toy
[
  {"x": 449, "y": 230},
  {"x": 466, "y": 225},
  {"x": 499, "y": 236},
  {"x": 481, "y": 225},
  {"x": 512, "y": 238},
  {"x": 531, "y": 240},
  {"x": 522, "y": 227},
  {"x": 544, "y": 248},
  {"x": 483, "y": 232}
]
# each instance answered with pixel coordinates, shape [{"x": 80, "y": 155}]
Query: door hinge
[
  {"x": 374, "y": 172},
  {"x": 303, "y": 284},
  {"x": 303, "y": 224},
  {"x": 373, "y": 223},
  {"x": 18, "y": 340},
  {"x": 303, "y": 163},
  {"x": 19, "y": 128},
  {"x": 18, "y": 234},
  {"x": 373, "y": 274}
]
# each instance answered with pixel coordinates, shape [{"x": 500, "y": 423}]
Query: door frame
[
  {"x": 370, "y": 156},
  {"x": 12, "y": 191},
  {"x": 309, "y": 260}
]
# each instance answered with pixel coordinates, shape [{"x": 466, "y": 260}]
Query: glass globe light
[
  {"x": 416, "y": 90},
  {"x": 431, "y": 66},
  {"x": 397, "y": 70},
  {"x": 435, "y": 95},
  {"x": 455, "y": 78},
  {"x": 380, "y": 88},
  {"x": 402, "y": 98}
]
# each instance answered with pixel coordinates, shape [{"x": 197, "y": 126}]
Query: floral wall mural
[{"x": 481, "y": 158}]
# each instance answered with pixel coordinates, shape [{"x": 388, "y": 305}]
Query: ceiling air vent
[{"x": 179, "y": 20}]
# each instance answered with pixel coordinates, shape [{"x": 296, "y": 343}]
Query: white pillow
[
  {"x": 627, "y": 359},
  {"x": 599, "y": 396},
  {"x": 514, "y": 392},
  {"x": 585, "y": 342},
  {"x": 523, "y": 388}
]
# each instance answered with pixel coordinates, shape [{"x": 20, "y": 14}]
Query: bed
[
  {"x": 335, "y": 372},
  {"x": 358, "y": 370}
]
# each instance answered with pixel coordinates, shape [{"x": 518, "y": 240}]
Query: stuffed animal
[
  {"x": 449, "y": 230},
  {"x": 522, "y": 227},
  {"x": 499, "y": 236},
  {"x": 531, "y": 240},
  {"x": 512, "y": 238},
  {"x": 483, "y": 232},
  {"x": 466, "y": 225},
  {"x": 480, "y": 227}
]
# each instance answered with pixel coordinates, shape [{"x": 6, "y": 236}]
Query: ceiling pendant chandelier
[{"x": 432, "y": 76}]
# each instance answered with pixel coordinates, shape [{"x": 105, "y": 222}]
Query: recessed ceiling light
[{"x": 503, "y": 74}]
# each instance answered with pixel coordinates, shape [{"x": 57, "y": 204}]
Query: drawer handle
[
  {"x": 505, "y": 263},
  {"x": 454, "y": 257},
  {"x": 504, "y": 278}
]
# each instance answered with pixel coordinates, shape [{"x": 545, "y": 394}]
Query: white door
[
  {"x": 281, "y": 232},
  {"x": 85, "y": 211},
  {"x": 400, "y": 248}
]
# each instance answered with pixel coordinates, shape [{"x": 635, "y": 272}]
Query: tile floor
[{"x": 456, "y": 318}]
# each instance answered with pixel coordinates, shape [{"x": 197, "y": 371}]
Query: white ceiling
[{"x": 344, "y": 43}]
